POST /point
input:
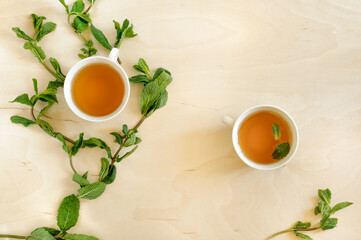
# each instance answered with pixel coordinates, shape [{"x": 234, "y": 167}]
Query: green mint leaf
[
  {"x": 163, "y": 80},
  {"x": 78, "y": 144},
  {"x": 46, "y": 127},
  {"x": 36, "y": 50},
  {"x": 79, "y": 237},
  {"x": 48, "y": 98},
  {"x": 132, "y": 131},
  {"x": 162, "y": 100},
  {"x": 78, "y": 6},
  {"x": 329, "y": 224},
  {"x": 130, "y": 141},
  {"x": 137, "y": 140},
  {"x": 35, "y": 85},
  {"x": 21, "y": 34},
  {"x": 160, "y": 71},
  {"x": 65, "y": 6},
  {"x": 302, "y": 225},
  {"x": 317, "y": 210},
  {"x": 51, "y": 231},
  {"x": 96, "y": 142},
  {"x": 104, "y": 169},
  {"x": 80, "y": 24},
  {"x": 55, "y": 84},
  {"x": 325, "y": 195},
  {"x": 89, "y": 44},
  {"x": 111, "y": 176},
  {"x": 118, "y": 137},
  {"x": 23, "y": 99},
  {"x": 149, "y": 95},
  {"x": 85, "y": 17},
  {"x": 21, "y": 120},
  {"x": 143, "y": 66},
  {"x": 276, "y": 131},
  {"x": 340, "y": 206},
  {"x": 45, "y": 29},
  {"x": 57, "y": 69},
  {"x": 100, "y": 37},
  {"x": 130, "y": 33},
  {"x": 301, "y": 235},
  {"x": 65, "y": 147},
  {"x": 325, "y": 210},
  {"x": 139, "y": 79},
  {"x": 127, "y": 154},
  {"x": 138, "y": 69},
  {"x": 92, "y": 191},
  {"x": 125, "y": 129},
  {"x": 37, "y": 21},
  {"x": 281, "y": 151},
  {"x": 40, "y": 234},
  {"x": 68, "y": 213},
  {"x": 80, "y": 180}
]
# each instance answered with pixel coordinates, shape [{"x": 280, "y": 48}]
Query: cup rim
[
  {"x": 293, "y": 128},
  {"x": 68, "y": 84}
]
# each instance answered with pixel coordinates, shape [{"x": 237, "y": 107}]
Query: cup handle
[
  {"x": 228, "y": 120},
  {"x": 114, "y": 54}
]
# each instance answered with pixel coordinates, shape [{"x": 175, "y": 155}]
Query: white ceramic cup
[
  {"x": 238, "y": 123},
  {"x": 111, "y": 61}
]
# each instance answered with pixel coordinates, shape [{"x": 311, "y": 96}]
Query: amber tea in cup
[
  {"x": 98, "y": 89},
  {"x": 256, "y": 139}
]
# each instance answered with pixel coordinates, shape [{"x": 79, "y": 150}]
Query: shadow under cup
[{"x": 293, "y": 131}]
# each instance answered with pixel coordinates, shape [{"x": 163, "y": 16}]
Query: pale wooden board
[{"x": 186, "y": 181}]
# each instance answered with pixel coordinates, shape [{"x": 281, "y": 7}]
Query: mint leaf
[
  {"x": 127, "y": 154},
  {"x": 142, "y": 67},
  {"x": 78, "y": 6},
  {"x": 111, "y": 176},
  {"x": 23, "y": 99},
  {"x": 96, "y": 142},
  {"x": 79, "y": 237},
  {"x": 85, "y": 17},
  {"x": 139, "y": 79},
  {"x": 92, "y": 191},
  {"x": 302, "y": 225},
  {"x": 317, "y": 210},
  {"x": 35, "y": 85},
  {"x": 37, "y": 21},
  {"x": 21, "y": 34},
  {"x": 100, "y": 37},
  {"x": 80, "y": 180},
  {"x": 159, "y": 71},
  {"x": 65, "y": 6},
  {"x": 125, "y": 129},
  {"x": 276, "y": 131},
  {"x": 340, "y": 206},
  {"x": 80, "y": 24},
  {"x": 46, "y": 127},
  {"x": 68, "y": 212},
  {"x": 57, "y": 69},
  {"x": 118, "y": 137},
  {"x": 149, "y": 95},
  {"x": 329, "y": 224},
  {"x": 21, "y": 120},
  {"x": 104, "y": 169},
  {"x": 78, "y": 144},
  {"x": 45, "y": 29},
  {"x": 36, "y": 50},
  {"x": 130, "y": 140},
  {"x": 40, "y": 234},
  {"x": 50, "y": 104},
  {"x": 163, "y": 80},
  {"x": 301, "y": 235},
  {"x": 65, "y": 147},
  {"x": 51, "y": 231},
  {"x": 325, "y": 195},
  {"x": 281, "y": 151}
]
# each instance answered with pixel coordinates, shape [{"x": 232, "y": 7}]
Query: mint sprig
[{"x": 326, "y": 222}]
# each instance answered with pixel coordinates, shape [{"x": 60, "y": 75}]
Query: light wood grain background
[{"x": 185, "y": 181}]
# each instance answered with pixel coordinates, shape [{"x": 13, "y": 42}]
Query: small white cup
[
  {"x": 111, "y": 61},
  {"x": 238, "y": 123}
]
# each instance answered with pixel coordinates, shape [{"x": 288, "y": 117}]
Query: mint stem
[
  {"x": 121, "y": 145},
  {"x": 291, "y": 230},
  {"x": 12, "y": 236}
]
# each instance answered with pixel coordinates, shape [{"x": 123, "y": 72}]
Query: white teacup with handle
[
  {"x": 111, "y": 61},
  {"x": 236, "y": 124}
]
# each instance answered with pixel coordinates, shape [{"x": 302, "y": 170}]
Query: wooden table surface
[{"x": 185, "y": 181}]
